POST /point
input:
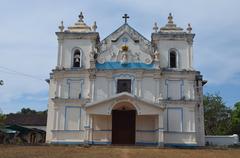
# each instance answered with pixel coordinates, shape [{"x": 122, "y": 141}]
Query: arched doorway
[{"x": 123, "y": 123}]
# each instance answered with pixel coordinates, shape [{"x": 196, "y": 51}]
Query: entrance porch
[{"x": 126, "y": 121}]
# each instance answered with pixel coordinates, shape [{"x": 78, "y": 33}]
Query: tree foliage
[
  {"x": 235, "y": 117},
  {"x": 30, "y": 111},
  {"x": 2, "y": 116},
  {"x": 217, "y": 116}
]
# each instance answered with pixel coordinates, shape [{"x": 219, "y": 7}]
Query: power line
[{"x": 14, "y": 72}]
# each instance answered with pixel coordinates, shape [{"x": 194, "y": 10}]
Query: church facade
[{"x": 125, "y": 89}]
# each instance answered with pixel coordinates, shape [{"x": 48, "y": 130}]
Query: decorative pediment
[
  {"x": 107, "y": 105},
  {"x": 125, "y": 45}
]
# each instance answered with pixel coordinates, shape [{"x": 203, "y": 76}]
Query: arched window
[
  {"x": 173, "y": 59},
  {"x": 76, "y": 58}
]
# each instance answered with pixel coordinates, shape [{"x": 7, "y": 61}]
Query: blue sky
[{"x": 28, "y": 42}]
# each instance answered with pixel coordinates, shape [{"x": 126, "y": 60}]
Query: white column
[
  {"x": 88, "y": 129},
  {"x": 138, "y": 87},
  {"x": 190, "y": 56},
  {"x": 110, "y": 92},
  {"x": 58, "y": 89},
  {"x": 61, "y": 54},
  {"x": 92, "y": 89},
  {"x": 160, "y": 130},
  {"x": 157, "y": 89}
]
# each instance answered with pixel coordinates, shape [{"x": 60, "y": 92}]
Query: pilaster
[{"x": 160, "y": 130}]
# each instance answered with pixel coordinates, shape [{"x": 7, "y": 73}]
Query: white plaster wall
[
  {"x": 188, "y": 122},
  {"x": 222, "y": 140},
  {"x": 145, "y": 129},
  {"x": 182, "y": 46},
  {"x": 148, "y": 89},
  {"x": 188, "y": 90},
  {"x": 50, "y": 116},
  {"x": 78, "y": 84},
  {"x": 174, "y": 89},
  {"x": 179, "y": 138},
  {"x": 68, "y": 136},
  {"x": 100, "y": 88},
  {"x": 163, "y": 89},
  {"x": 102, "y": 128},
  {"x": 50, "y": 121},
  {"x": 189, "y": 119},
  {"x": 69, "y": 45}
]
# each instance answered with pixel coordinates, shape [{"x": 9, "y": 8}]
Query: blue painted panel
[
  {"x": 151, "y": 131},
  {"x": 118, "y": 65},
  {"x": 67, "y": 143},
  {"x": 147, "y": 143},
  {"x": 180, "y": 145},
  {"x": 101, "y": 143}
]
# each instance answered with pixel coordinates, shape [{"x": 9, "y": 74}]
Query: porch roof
[{"x": 142, "y": 106}]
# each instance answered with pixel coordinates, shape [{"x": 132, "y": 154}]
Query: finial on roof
[
  {"x": 170, "y": 18},
  {"x": 79, "y": 26},
  {"x": 170, "y": 26},
  {"x": 94, "y": 27},
  {"x": 81, "y": 17},
  {"x": 155, "y": 27},
  {"x": 189, "y": 29},
  {"x": 61, "y": 27}
]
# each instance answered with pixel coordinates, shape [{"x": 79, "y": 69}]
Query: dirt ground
[{"x": 8, "y": 151}]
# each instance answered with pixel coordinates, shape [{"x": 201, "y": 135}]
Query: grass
[{"x": 10, "y": 151}]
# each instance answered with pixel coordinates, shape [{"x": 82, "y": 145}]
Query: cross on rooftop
[{"x": 125, "y": 17}]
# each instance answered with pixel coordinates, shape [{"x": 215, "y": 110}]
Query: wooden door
[{"x": 123, "y": 127}]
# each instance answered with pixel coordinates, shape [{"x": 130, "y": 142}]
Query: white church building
[{"x": 125, "y": 89}]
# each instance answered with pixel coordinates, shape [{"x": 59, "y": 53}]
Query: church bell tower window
[
  {"x": 76, "y": 59},
  {"x": 173, "y": 59}
]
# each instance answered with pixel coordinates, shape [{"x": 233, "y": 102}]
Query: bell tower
[
  {"x": 174, "y": 45},
  {"x": 77, "y": 45}
]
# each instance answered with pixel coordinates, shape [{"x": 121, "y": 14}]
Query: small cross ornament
[{"x": 125, "y": 17}]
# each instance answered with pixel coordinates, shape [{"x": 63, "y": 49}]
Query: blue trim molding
[
  {"x": 150, "y": 131},
  {"x": 120, "y": 66},
  {"x": 179, "y": 145},
  {"x": 67, "y": 142},
  {"x": 147, "y": 143},
  {"x": 102, "y": 130},
  {"x": 67, "y": 131}
]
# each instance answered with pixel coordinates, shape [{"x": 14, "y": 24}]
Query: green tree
[
  {"x": 2, "y": 117},
  {"x": 27, "y": 111},
  {"x": 217, "y": 116},
  {"x": 236, "y": 118}
]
